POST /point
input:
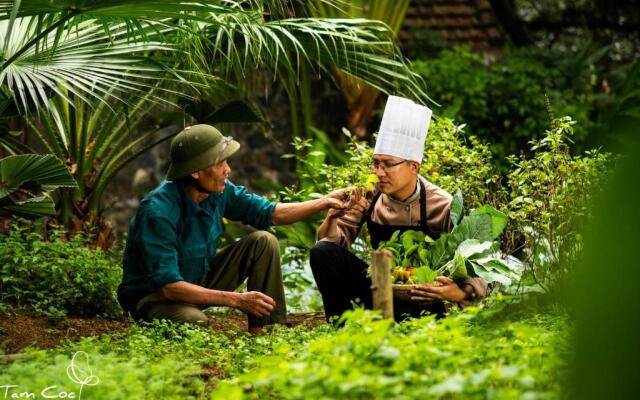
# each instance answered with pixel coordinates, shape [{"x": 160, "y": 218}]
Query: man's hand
[
  {"x": 335, "y": 200},
  {"x": 356, "y": 205},
  {"x": 444, "y": 289},
  {"x": 254, "y": 303}
]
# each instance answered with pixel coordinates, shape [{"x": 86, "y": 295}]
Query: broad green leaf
[
  {"x": 411, "y": 237},
  {"x": 460, "y": 267},
  {"x": 438, "y": 253},
  {"x": 457, "y": 208},
  {"x": 412, "y": 248},
  {"x": 498, "y": 219},
  {"x": 423, "y": 275},
  {"x": 477, "y": 227},
  {"x": 489, "y": 275},
  {"x": 473, "y": 247},
  {"x": 424, "y": 255}
]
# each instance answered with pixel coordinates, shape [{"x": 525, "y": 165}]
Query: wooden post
[{"x": 381, "y": 282}]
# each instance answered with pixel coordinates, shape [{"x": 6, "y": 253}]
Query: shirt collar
[
  {"x": 411, "y": 198},
  {"x": 190, "y": 205}
]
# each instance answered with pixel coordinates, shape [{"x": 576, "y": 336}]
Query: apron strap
[{"x": 423, "y": 206}]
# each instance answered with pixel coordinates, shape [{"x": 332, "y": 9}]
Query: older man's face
[
  {"x": 395, "y": 174},
  {"x": 214, "y": 178}
]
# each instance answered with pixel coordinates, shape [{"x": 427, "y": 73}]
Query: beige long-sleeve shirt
[{"x": 388, "y": 211}]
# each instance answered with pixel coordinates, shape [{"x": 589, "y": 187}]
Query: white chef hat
[{"x": 403, "y": 129}]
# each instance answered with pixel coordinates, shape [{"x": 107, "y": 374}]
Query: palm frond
[
  {"x": 44, "y": 171},
  {"x": 83, "y": 60},
  {"x": 25, "y": 181},
  {"x": 34, "y": 207},
  {"x": 359, "y": 48}
]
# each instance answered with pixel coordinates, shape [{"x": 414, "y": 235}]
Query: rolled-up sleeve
[
  {"x": 347, "y": 228},
  {"x": 157, "y": 241},
  {"x": 248, "y": 208}
]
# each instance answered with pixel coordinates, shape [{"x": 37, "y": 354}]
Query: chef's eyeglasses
[{"x": 385, "y": 166}]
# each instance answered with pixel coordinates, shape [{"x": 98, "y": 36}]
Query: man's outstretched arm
[{"x": 288, "y": 213}]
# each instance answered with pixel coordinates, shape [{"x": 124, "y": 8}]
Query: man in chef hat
[{"x": 403, "y": 200}]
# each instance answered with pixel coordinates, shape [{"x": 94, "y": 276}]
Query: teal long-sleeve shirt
[{"x": 172, "y": 238}]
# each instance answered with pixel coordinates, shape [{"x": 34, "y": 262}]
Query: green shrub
[
  {"x": 57, "y": 277},
  {"x": 455, "y": 161},
  {"x": 549, "y": 197},
  {"x": 504, "y": 103}
]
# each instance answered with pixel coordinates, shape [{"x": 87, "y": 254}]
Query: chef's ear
[{"x": 415, "y": 166}]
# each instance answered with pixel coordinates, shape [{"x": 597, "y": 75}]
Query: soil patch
[{"x": 20, "y": 331}]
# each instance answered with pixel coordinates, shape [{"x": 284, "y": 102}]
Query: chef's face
[{"x": 396, "y": 174}]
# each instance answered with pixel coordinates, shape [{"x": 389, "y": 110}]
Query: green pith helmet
[{"x": 198, "y": 147}]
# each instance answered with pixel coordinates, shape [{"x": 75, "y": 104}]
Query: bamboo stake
[{"x": 381, "y": 282}]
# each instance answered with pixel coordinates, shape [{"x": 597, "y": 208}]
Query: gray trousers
[{"x": 256, "y": 257}]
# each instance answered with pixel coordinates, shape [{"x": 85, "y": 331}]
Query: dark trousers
[{"x": 342, "y": 280}]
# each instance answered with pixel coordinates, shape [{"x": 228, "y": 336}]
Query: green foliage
[
  {"x": 549, "y": 201},
  {"x": 156, "y": 360},
  {"x": 455, "y": 161},
  {"x": 504, "y": 103},
  {"x": 545, "y": 196},
  {"x": 505, "y": 351},
  {"x": 96, "y": 142},
  {"x": 25, "y": 181},
  {"x": 469, "y": 249},
  {"x": 57, "y": 277},
  {"x": 301, "y": 292},
  {"x": 462, "y": 356},
  {"x": 606, "y": 361},
  {"x": 108, "y": 376},
  {"x": 130, "y": 46}
]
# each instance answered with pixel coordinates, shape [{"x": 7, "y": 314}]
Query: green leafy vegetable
[{"x": 468, "y": 250}]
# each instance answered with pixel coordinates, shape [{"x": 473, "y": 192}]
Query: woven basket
[{"x": 402, "y": 292}]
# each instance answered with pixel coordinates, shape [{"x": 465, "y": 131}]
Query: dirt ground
[{"x": 20, "y": 331}]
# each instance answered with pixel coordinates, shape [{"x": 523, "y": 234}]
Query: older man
[
  {"x": 402, "y": 201},
  {"x": 172, "y": 269}
]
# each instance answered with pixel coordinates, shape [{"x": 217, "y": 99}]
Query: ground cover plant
[
  {"x": 469, "y": 355},
  {"x": 57, "y": 277},
  {"x": 508, "y": 350}
]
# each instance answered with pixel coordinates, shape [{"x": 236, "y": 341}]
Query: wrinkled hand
[
  {"x": 255, "y": 304},
  {"x": 444, "y": 289},
  {"x": 335, "y": 201},
  {"x": 356, "y": 205}
]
